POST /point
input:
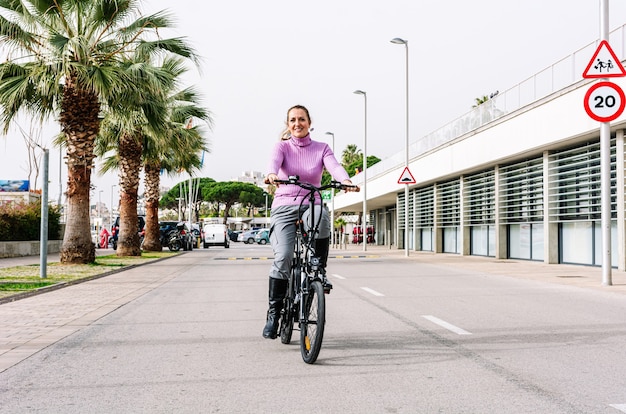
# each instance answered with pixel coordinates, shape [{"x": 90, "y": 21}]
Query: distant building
[
  {"x": 16, "y": 196},
  {"x": 252, "y": 177}
]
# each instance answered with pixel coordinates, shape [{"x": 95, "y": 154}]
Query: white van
[{"x": 215, "y": 235}]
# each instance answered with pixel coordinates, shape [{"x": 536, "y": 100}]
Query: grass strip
[{"x": 19, "y": 279}]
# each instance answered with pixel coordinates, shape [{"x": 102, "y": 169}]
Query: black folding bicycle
[{"x": 305, "y": 303}]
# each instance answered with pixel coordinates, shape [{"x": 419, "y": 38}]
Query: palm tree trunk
[
  {"x": 152, "y": 182},
  {"x": 130, "y": 149},
  {"x": 78, "y": 248},
  {"x": 79, "y": 121}
]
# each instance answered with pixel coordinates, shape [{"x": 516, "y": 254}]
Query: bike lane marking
[
  {"x": 335, "y": 275},
  {"x": 446, "y": 325},
  {"x": 620, "y": 407},
  {"x": 372, "y": 291}
]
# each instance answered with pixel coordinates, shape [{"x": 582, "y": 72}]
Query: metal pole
[
  {"x": 605, "y": 168},
  {"x": 111, "y": 211},
  {"x": 406, "y": 161},
  {"x": 332, "y": 198},
  {"x": 364, "y": 224},
  {"x": 191, "y": 234},
  {"x": 332, "y": 203},
  {"x": 364, "y": 219},
  {"x": 399, "y": 41},
  {"x": 43, "y": 237},
  {"x": 60, "y": 181},
  {"x": 180, "y": 200},
  {"x": 99, "y": 211}
]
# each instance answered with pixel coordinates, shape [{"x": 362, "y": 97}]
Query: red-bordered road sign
[
  {"x": 604, "y": 63},
  {"x": 406, "y": 177},
  {"x": 605, "y": 101}
]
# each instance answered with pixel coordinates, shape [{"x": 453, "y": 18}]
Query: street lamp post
[
  {"x": 332, "y": 202},
  {"x": 60, "y": 176},
  {"x": 364, "y": 221},
  {"x": 111, "y": 211},
  {"x": 100, "y": 210},
  {"x": 399, "y": 41},
  {"x": 265, "y": 194}
]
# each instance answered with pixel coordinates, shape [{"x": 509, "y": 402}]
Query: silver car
[{"x": 248, "y": 236}]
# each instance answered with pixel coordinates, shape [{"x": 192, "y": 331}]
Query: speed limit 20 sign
[{"x": 605, "y": 101}]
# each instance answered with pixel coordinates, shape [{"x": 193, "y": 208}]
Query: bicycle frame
[{"x": 305, "y": 300}]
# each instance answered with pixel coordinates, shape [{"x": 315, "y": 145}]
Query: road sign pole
[
  {"x": 605, "y": 196},
  {"x": 605, "y": 168}
]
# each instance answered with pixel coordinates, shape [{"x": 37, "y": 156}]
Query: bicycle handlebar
[{"x": 295, "y": 180}]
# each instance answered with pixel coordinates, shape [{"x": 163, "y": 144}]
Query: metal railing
[{"x": 557, "y": 76}]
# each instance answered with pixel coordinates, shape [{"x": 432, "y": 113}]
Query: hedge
[{"x": 21, "y": 221}]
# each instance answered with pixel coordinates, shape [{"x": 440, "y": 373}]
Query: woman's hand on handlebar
[
  {"x": 271, "y": 179},
  {"x": 349, "y": 187}
]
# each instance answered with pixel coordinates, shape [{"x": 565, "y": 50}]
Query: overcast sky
[{"x": 261, "y": 57}]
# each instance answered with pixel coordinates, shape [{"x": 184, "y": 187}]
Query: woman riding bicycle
[{"x": 297, "y": 155}]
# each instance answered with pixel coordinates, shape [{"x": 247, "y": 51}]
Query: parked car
[
  {"x": 233, "y": 234},
  {"x": 247, "y": 236},
  {"x": 263, "y": 236},
  {"x": 215, "y": 235}
]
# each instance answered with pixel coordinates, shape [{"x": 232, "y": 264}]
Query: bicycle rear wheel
[
  {"x": 286, "y": 321},
  {"x": 289, "y": 312},
  {"x": 312, "y": 328}
]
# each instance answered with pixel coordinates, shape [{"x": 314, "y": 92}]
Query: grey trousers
[{"x": 283, "y": 235}]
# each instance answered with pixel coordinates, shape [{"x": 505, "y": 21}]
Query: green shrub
[{"x": 21, "y": 221}]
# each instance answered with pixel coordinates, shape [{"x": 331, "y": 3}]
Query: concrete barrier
[{"x": 27, "y": 248}]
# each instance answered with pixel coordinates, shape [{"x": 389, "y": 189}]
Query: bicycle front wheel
[{"x": 312, "y": 327}]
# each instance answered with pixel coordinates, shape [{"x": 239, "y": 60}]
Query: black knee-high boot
[
  {"x": 277, "y": 291},
  {"x": 321, "y": 251}
]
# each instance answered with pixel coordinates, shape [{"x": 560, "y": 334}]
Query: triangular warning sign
[
  {"x": 604, "y": 63},
  {"x": 406, "y": 177}
]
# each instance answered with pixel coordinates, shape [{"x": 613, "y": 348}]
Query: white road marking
[
  {"x": 446, "y": 325},
  {"x": 621, "y": 407},
  {"x": 337, "y": 276},
  {"x": 372, "y": 291}
]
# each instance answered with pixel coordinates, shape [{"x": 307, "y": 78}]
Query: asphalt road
[{"x": 402, "y": 336}]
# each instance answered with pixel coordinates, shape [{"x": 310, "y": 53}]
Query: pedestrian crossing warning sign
[
  {"x": 406, "y": 177},
  {"x": 604, "y": 63}
]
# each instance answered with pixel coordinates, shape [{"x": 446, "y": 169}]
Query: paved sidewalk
[{"x": 31, "y": 324}]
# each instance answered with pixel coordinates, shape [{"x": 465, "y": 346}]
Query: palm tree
[
  {"x": 64, "y": 62},
  {"x": 178, "y": 148},
  {"x": 350, "y": 155},
  {"x": 126, "y": 130},
  {"x": 480, "y": 101}
]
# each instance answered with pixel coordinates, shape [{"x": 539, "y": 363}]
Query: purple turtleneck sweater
[{"x": 307, "y": 159}]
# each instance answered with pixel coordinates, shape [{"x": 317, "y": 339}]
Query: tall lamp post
[
  {"x": 100, "y": 210},
  {"x": 111, "y": 211},
  {"x": 265, "y": 194},
  {"x": 399, "y": 41},
  {"x": 364, "y": 221},
  {"x": 332, "y": 202}
]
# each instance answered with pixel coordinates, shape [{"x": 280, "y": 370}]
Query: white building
[{"x": 516, "y": 178}]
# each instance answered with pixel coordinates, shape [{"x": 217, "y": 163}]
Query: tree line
[{"x": 223, "y": 195}]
